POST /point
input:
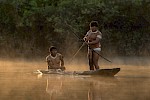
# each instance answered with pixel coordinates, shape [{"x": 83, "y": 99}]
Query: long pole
[
  {"x": 99, "y": 54},
  {"x": 77, "y": 52}
]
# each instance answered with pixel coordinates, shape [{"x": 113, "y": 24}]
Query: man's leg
[
  {"x": 95, "y": 60},
  {"x": 90, "y": 57},
  {"x": 91, "y": 64}
]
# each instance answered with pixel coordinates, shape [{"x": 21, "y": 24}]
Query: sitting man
[{"x": 55, "y": 60}]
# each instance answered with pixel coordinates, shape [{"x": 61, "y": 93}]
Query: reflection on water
[
  {"x": 18, "y": 82},
  {"x": 78, "y": 88}
]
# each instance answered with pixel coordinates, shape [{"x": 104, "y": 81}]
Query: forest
[{"x": 29, "y": 27}]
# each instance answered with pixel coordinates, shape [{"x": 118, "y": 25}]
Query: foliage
[{"x": 29, "y": 27}]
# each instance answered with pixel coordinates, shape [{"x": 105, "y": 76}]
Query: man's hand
[
  {"x": 63, "y": 68},
  {"x": 85, "y": 38}
]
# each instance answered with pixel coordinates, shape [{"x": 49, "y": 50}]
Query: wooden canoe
[{"x": 101, "y": 72}]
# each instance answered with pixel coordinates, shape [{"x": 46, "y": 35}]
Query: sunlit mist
[{"x": 19, "y": 81}]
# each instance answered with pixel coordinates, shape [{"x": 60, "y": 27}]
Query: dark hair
[
  {"x": 94, "y": 23},
  {"x": 52, "y": 48}
]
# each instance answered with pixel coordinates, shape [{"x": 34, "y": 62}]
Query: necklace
[{"x": 53, "y": 57}]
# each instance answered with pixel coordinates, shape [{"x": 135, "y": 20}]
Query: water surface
[{"x": 19, "y": 82}]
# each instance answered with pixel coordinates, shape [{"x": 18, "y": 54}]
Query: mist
[{"x": 18, "y": 80}]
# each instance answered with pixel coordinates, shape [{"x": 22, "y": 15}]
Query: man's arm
[
  {"x": 86, "y": 37},
  {"x": 62, "y": 61},
  {"x": 95, "y": 41},
  {"x": 49, "y": 63},
  {"x": 98, "y": 38}
]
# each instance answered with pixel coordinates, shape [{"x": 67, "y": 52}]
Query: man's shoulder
[
  {"x": 89, "y": 32},
  {"x": 99, "y": 33},
  {"x": 59, "y": 54},
  {"x": 47, "y": 56}
]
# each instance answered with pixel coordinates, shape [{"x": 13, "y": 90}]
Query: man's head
[
  {"x": 53, "y": 50},
  {"x": 94, "y": 26}
]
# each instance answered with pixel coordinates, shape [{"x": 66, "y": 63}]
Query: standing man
[
  {"x": 92, "y": 38},
  {"x": 55, "y": 60}
]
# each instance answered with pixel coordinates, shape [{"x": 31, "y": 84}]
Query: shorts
[{"x": 97, "y": 49}]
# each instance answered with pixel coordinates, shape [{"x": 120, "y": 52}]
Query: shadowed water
[{"x": 19, "y": 82}]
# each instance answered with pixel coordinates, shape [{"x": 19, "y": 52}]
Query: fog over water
[{"x": 18, "y": 81}]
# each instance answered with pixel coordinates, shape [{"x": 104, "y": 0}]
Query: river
[{"x": 19, "y": 81}]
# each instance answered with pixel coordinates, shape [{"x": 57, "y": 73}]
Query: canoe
[{"x": 101, "y": 72}]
